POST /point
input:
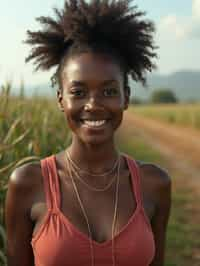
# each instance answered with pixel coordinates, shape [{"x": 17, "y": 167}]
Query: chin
[{"x": 97, "y": 140}]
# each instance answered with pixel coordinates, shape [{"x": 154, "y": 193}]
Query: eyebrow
[
  {"x": 82, "y": 83},
  {"x": 109, "y": 81},
  {"x": 76, "y": 83}
]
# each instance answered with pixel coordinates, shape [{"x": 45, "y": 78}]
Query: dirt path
[{"x": 180, "y": 146}]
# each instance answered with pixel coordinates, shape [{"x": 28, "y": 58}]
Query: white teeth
[{"x": 94, "y": 123}]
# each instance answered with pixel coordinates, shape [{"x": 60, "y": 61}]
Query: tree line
[{"x": 158, "y": 96}]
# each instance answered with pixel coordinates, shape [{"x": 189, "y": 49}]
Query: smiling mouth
[{"x": 94, "y": 123}]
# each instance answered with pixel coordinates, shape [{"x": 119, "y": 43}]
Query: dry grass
[{"x": 187, "y": 115}]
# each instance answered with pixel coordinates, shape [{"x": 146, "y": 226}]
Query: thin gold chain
[
  {"x": 89, "y": 173},
  {"x": 86, "y": 218},
  {"x": 85, "y": 215},
  {"x": 85, "y": 183}
]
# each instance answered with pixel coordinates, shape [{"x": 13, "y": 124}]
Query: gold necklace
[
  {"x": 85, "y": 215},
  {"x": 89, "y": 173},
  {"x": 76, "y": 168}
]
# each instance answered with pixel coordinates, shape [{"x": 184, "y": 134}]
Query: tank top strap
[
  {"x": 51, "y": 182},
  {"x": 135, "y": 175}
]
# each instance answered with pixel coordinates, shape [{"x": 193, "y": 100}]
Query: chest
[{"x": 97, "y": 208}]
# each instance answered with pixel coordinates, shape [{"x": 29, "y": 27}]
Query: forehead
[{"x": 91, "y": 67}]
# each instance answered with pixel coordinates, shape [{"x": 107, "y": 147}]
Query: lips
[{"x": 94, "y": 123}]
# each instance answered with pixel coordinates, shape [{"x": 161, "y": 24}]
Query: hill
[{"x": 185, "y": 84}]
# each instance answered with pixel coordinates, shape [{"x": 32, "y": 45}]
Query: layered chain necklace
[
  {"x": 72, "y": 167},
  {"x": 76, "y": 168}
]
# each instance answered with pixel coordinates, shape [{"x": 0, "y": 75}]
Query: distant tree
[{"x": 163, "y": 96}]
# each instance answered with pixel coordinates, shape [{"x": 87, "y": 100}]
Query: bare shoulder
[
  {"x": 26, "y": 175},
  {"x": 155, "y": 173},
  {"x": 25, "y": 181},
  {"x": 156, "y": 181}
]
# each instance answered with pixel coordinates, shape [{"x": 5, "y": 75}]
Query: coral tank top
[{"x": 58, "y": 242}]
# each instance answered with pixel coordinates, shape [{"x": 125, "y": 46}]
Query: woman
[{"x": 90, "y": 204}]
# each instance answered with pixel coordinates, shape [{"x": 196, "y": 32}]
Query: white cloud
[
  {"x": 195, "y": 21},
  {"x": 180, "y": 28},
  {"x": 172, "y": 27},
  {"x": 179, "y": 40},
  {"x": 196, "y": 9}
]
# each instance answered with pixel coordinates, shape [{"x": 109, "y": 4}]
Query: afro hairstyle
[{"x": 109, "y": 26}]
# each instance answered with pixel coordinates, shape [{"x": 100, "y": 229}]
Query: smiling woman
[
  {"x": 92, "y": 97},
  {"x": 90, "y": 204}
]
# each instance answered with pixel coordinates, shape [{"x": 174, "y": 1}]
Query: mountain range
[{"x": 184, "y": 84}]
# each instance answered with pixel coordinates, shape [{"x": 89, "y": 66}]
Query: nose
[{"x": 93, "y": 103}]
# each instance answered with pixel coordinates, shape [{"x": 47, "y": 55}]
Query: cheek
[
  {"x": 117, "y": 116},
  {"x": 118, "y": 106},
  {"x": 67, "y": 102},
  {"x": 72, "y": 114},
  {"x": 69, "y": 110}
]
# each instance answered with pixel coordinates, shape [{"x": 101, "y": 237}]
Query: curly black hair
[{"x": 109, "y": 26}]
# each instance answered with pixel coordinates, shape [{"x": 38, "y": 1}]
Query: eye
[
  {"x": 77, "y": 92},
  {"x": 111, "y": 91}
]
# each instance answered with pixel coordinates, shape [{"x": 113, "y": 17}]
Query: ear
[
  {"x": 127, "y": 92},
  {"x": 60, "y": 99}
]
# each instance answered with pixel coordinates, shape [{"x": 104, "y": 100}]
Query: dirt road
[{"x": 179, "y": 145}]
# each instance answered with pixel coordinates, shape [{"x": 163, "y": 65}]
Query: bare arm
[
  {"x": 18, "y": 223},
  {"x": 161, "y": 217}
]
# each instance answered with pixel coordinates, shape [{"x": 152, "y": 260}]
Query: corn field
[{"x": 27, "y": 132}]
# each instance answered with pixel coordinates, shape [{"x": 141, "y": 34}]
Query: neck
[{"x": 93, "y": 158}]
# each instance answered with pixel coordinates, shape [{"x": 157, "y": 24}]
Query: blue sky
[{"x": 177, "y": 23}]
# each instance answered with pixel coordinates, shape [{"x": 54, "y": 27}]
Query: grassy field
[
  {"x": 34, "y": 128},
  {"x": 181, "y": 114}
]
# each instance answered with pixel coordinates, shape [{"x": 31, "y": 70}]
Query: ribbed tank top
[{"x": 58, "y": 242}]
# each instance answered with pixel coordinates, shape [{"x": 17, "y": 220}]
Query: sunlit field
[
  {"x": 31, "y": 129},
  {"x": 180, "y": 114}
]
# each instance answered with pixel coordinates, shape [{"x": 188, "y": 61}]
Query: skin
[{"x": 87, "y": 92}]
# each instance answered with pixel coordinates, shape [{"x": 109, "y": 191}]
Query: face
[{"x": 93, "y": 97}]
